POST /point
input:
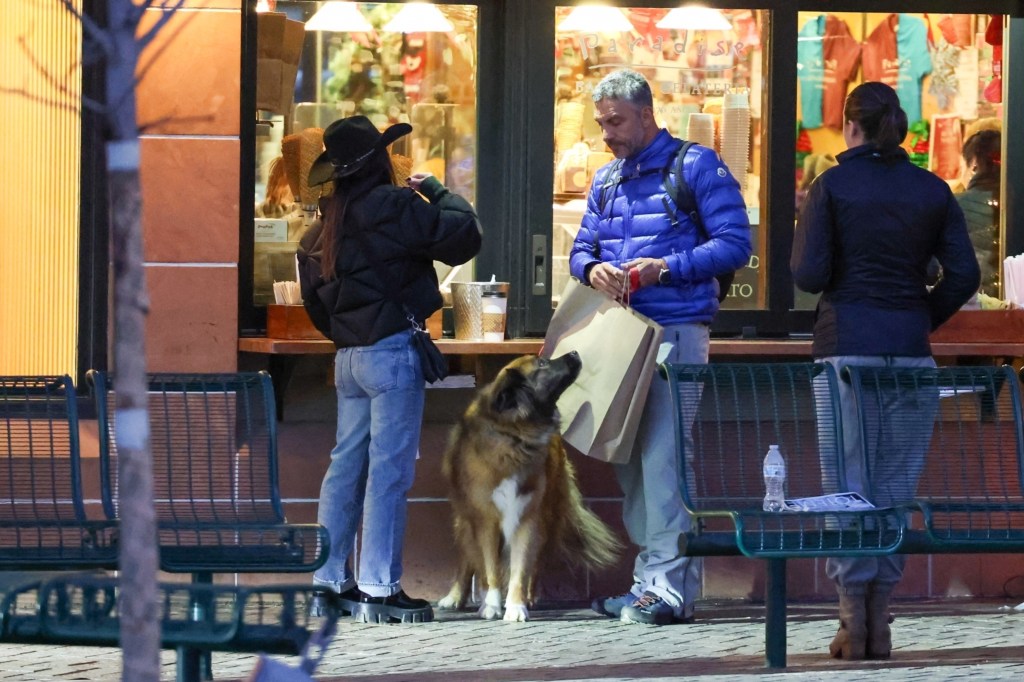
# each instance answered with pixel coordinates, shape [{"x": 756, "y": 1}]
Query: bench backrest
[
  {"x": 39, "y": 450},
  {"x": 213, "y": 444},
  {"x": 966, "y": 424},
  {"x": 737, "y": 411}
]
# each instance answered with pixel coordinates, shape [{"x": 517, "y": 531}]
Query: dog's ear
[{"x": 507, "y": 396}]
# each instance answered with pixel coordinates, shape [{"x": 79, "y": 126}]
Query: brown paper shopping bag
[{"x": 619, "y": 349}]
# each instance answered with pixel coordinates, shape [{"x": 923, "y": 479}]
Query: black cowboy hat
[{"x": 350, "y": 143}]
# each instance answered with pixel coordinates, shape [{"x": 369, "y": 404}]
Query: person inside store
[
  {"x": 867, "y": 232},
  {"x": 673, "y": 267},
  {"x": 980, "y": 203},
  {"x": 367, "y": 275}
]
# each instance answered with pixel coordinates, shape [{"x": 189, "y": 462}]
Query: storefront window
[
  {"x": 321, "y": 61},
  {"x": 947, "y": 70},
  {"x": 709, "y": 86}
]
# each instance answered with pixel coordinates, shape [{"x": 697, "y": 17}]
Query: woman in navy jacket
[{"x": 867, "y": 232}]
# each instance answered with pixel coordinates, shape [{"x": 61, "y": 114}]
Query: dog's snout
[{"x": 572, "y": 359}]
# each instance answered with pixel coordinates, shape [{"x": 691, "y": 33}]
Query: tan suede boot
[
  {"x": 850, "y": 642},
  {"x": 879, "y": 618}
]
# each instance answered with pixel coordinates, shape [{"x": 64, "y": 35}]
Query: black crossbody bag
[{"x": 432, "y": 360}]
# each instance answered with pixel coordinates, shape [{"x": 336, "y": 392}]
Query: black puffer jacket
[
  {"x": 866, "y": 235},
  {"x": 386, "y": 252}
]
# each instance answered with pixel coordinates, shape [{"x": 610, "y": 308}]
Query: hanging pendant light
[
  {"x": 419, "y": 17},
  {"x": 339, "y": 17},
  {"x": 695, "y": 18},
  {"x": 593, "y": 18}
]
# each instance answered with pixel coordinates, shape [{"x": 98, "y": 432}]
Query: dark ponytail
[{"x": 875, "y": 107}]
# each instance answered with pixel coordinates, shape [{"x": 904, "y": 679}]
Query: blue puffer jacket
[{"x": 635, "y": 224}]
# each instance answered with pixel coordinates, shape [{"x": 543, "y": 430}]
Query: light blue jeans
[
  {"x": 380, "y": 411},
  {"x": 652, "y": 507},
  {"x": 876, "y": 468}
]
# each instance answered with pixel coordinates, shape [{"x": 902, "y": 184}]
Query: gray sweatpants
[{"x": 652, "y": 507}]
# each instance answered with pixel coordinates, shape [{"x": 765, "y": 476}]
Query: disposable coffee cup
[{"x": 495, "y": 307}]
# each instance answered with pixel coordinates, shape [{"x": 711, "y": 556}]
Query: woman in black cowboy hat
[{"x": 367, "y": 273}]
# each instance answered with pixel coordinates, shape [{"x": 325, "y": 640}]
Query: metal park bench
[
  {"x": 214, "y": 447},
  {"x": 195, "y": 619},
  {"x": 44, "y": 529},
  {"x": 213, "y": 442},
  {"x": 43, "y": 523},
  {"x": 947, "y": 446},
  {"x": 733, "y": 413}
]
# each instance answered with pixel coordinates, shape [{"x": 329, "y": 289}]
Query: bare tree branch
[
  {"x": 91, "y": 28},
  {"x": 166, "y": 13},
  {"x": 39, "y": 99},
  {"x": 94, "y": 106},
  {"x": 205, "y": 118},
  {"x": 87, "y": 102},
  {"x": 137, "y": 11},
  {"x": 44, "y": 72}
]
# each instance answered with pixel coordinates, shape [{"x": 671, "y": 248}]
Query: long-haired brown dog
[{"x": 513, "y": 490}]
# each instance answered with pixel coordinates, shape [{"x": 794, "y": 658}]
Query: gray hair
[{"x": 625, "y": 84}]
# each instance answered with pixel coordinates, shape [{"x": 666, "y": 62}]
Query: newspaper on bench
[{"x": 826, "y": 503}]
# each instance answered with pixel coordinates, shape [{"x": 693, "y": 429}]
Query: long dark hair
[
  {"x": 875, "y": 107},
  {"x": 377, "y": 171}
]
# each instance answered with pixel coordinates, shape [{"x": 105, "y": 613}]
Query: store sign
[
  {"x": 591, "y": 42},
  {"x": 271, "y": 230}
]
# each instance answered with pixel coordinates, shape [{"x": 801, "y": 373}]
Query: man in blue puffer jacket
[{"x": 675, "y": 264}]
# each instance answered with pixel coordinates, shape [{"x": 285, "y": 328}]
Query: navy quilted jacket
[
  {"x": 635, "y": 224},
  {"x": 867, "y": 232}
]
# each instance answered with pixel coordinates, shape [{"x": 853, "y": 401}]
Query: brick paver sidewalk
[{"x": 933, "y": 641}]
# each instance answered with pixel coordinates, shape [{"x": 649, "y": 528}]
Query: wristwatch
[{"x": 664, "y": 277}]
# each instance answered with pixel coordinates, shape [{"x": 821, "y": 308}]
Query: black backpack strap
[
  {"x": 611, "y": 179},
  {"x": 680, "y": 192}
]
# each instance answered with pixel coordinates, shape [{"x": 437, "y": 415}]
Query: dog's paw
[
  {"x": 450, "y": 603},
  {"x": 488, "y": 612},
  {"x": 516, "y": 613},
  {"x": 491, "y": 608}
]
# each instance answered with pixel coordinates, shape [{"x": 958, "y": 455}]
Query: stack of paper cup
[
  {"x": 701, "y": 129},
  {"x": 735, "y": 149}
]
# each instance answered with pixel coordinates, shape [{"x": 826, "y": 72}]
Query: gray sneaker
[
  {"x": 650, "y": 609},
  {"x": 612, "y": 606}
]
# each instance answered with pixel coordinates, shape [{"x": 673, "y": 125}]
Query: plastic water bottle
[{"x": 774, "y": 479}]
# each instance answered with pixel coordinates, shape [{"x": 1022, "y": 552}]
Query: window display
[
  {"x": 391, "y": 62},
  {"x": 947, "y": 71},
  {"x": 708, "y": 81}
]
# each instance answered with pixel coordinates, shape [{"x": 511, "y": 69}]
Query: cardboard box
[
  {"x": 279, "y": 43},
  {"x": 290, "y": 322}
]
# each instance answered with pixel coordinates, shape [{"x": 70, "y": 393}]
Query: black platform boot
[{"x": 398, "y": 608}]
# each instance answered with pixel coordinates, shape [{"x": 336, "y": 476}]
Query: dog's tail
[{"x": 584, "y": 538}]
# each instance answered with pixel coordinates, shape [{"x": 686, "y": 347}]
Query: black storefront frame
[
  {"x": 94, "y": 297},
  {"x": 252, "y": 319},
  {"x": 514, "y": 134}
]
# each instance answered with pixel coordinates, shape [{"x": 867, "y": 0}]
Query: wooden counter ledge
[{"x": 799, "y": 348}]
